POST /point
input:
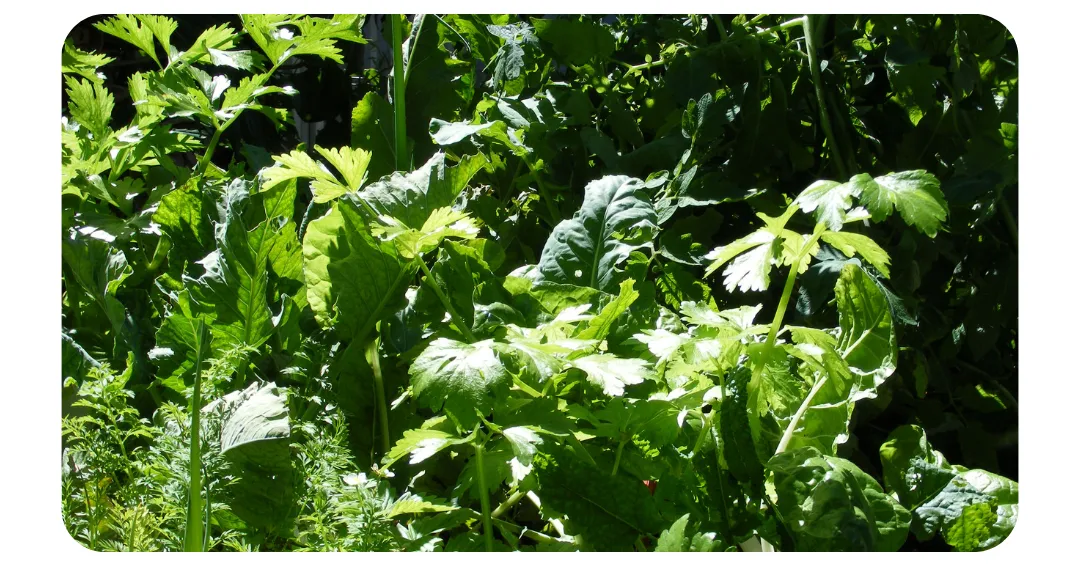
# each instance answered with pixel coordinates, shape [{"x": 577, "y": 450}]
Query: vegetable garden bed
[{"x": 479, "y": 283}]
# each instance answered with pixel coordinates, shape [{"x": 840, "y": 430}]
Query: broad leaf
[
  {"x": 941, "y": 496},
  {"x": 616, "y": 218},
  {"x": 830, "y": 504},
  {"x": 352, "y": 277}
]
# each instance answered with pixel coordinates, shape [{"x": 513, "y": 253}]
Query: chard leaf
[
  {"x": 352, "y": 277},
  {"x": 831, "y": 505},
  {"x": 616, "y": 218},
  {"x": 373, "y": 130},
  {"x": 231, "y": 294},
  {"x": 255, "y": 438},
  {"x": 465, "y": 378},
  {"x": 939, "y": 495},
  {"x": 867, "y": 340},
  {"x": 608, "y": 511}
]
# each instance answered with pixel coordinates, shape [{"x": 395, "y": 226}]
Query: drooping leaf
[
  {"x": 830, "y": 504},
  {"x": 867, "y": 340},
  {"x": 588, "y": 249},
  {"x": 938, "y": 494},
  {"x": 352, "y": 277},
  {"x": 373, "y": 131},
  {"x": 609, "y": 512},
  {"x": 255, "y": 437}
]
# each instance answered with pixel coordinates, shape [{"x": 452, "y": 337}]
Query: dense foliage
[{"x": 511, "y": 283}]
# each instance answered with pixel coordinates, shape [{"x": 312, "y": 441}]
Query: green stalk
[
  {"x": 618, "y": 457},
  {"x": 193, "y": 532},
  {"x": 781, "y": 308},
  {"x": 815, "y": 73},
  {"x": 400, "y": 159},
  {"x": 458, "y": 321},
  {"x": 485, "y": 503},
  {"x": 380, "y": 394},
  {"x": 510, "y": 502},
  {"x": 790, "y": 431}
]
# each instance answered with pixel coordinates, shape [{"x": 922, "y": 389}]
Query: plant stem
[
  {"x": 485, "y": 503},
  {"x": 785, "y": 298},
  {"x": 706, "y": 426},
  {"x": 815, "y": 73},
  {"x": 505, "y": 505},
  {"x": 544, "y": 193},
  {"x": 790, "y": 431},
  {"x": 400, "y": 159},
  {"x": 193, "y": 532},
  {"x": 778, "y": 27},
  {"x": 380, "y": 394},
  {"x": 641, "y": 67},
  {"x": 458, "y": 321},
  {"x": 618, "y": 457}
]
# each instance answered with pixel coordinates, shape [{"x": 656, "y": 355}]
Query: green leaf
[
  {"x": 422, "y": 443},
  {"x": 509, "y": 61},
  {"x": 915, "y": 194},
  {"x": 609, "y": 511},
  {"x": 255, "y": 437},
  {"x": 91, "y": 105},
  {"x": 373, "y": 130},
  {"x": 829, "y": 504},
  {"x": 867, "y": 340},
  {"x": 938, "y": 494},
  {"x": 523, "y": 442},
  {"x": 140, "y": 31},
  {"x": 82, "y": 63},
  {"x": 465, "y": 378},
  {"x": 752, "y": 257},
  {"x": 412, "y": 504},
  {"x": 828, "y": 200},
  {"x": 673, "y": 539},
  {"x": 972, "y": 528},
  {"x": 231, "y": 294},
  {"x": 616, "y": 218},
  {"x": 850, "y": 244},
  {"x": 413, "y": 197},
  {"x": 611, "y": 373},
  {"x": 601, "y": 325},
  {"x": 325, "y": 187},
  {"x": 352, "y": 278},
  {"x": 576, "y": 41},
  {"x": 733, "y": 428}
]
